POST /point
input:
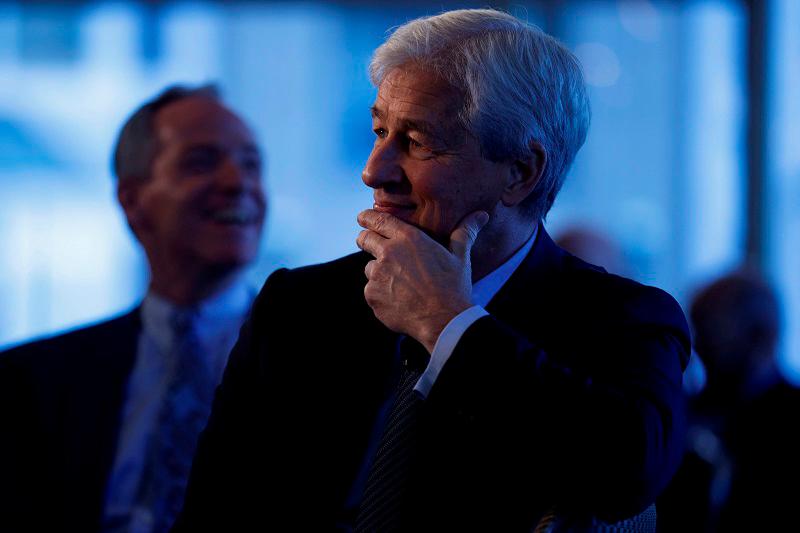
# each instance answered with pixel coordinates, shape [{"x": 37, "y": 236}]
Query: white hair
[{"x": 520, "y": 86}]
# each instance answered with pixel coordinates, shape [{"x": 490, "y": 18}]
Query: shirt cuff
[{"x": 445, "y": 345}]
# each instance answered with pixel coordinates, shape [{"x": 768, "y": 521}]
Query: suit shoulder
[
  {"x": 341, "y": 275},
  {"x": 622, "y": 297},
  {"x": 349, "y": 266},
  {"x": 55, "y": 350}
]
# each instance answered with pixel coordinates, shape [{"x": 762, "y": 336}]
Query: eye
[
  {"x": 380, "y": 132},
  {"x": 416, "y": 145},
  {"x": 200, "y": 161}
]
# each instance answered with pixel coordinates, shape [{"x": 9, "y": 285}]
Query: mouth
[
  {"x": 396, "y": 209},
  {"x": 234, "y": 216}
]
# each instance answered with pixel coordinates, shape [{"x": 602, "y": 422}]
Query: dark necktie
[
  {"x": 183, "y": 415},
  {"x": 385, "y": 491}
]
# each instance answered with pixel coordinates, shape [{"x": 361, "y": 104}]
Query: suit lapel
[{"x": 96, "y": 413}]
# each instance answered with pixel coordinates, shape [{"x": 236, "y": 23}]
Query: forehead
[
  {"x": 200, "y": 119},
  {"x": 413, "y": 93}
]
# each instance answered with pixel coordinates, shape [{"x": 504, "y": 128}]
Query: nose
[
  {"x": 231, "y": 176},
  {"x": 383, "y": 166}
]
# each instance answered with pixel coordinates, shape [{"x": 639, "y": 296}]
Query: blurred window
[
  {"x": 783, "y": 170},
  {"x": 661, "y": 175}
]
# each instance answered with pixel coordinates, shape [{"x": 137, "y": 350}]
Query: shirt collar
[
  {"x": 213, "y": 315},
  {"x": 485, "y": 288}
]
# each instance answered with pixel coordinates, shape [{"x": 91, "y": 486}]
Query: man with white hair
[{"x": 462, "y": 372}]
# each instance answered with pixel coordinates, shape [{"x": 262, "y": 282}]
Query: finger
[
  {"x": 370, "y": 268},
  {"x": 463, "y": 237},
  {"x": 384, "y": 224},
  {"x": 371, "y": 242}
]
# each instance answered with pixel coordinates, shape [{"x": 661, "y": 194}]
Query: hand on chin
[{"x": 416, "y": 285}]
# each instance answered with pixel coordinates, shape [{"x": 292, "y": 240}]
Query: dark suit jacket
[
  {"x": 60, "y": 405},
  {"x": 569, "y": 394},
  {"x": 749, "y": 481}
]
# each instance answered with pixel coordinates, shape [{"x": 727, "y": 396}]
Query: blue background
[{"x": 663, "y": 173}]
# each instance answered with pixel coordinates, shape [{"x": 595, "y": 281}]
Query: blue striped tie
[
  {"x": 184, "y": 413},
  {"x": 385, "y": 491}
]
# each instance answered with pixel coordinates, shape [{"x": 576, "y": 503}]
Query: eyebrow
[
  {"x": 248, "y": 149},
  {"x": 426, "y": 128}
]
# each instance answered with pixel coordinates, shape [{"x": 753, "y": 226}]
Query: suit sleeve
[
  {"x": 16, "y": 487},
  {"x": 602, "y": 415}
]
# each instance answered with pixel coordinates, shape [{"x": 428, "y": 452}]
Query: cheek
[
  {"x": 150, "y": 212},
  {"x": 178, "y": 217},
  {"x": 465, "y": 201},
  {"x": 189, "y": 202},
  {"x": 441, "y": 206}
]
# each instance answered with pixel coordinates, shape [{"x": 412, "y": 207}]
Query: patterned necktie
[
  {"x": 183, "y": 415},
  {"x": 385, "y": 491}
]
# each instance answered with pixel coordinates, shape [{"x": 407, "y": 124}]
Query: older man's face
[
  {"x": 203, "y": 203},
  {"x": 425, "y": 169}
]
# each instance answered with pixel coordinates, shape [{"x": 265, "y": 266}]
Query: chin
[
  {"x": 439, "y": 234},
  {"x": 407, "y": 217},
  {"x": 232, "y": 257},
  {"x": 444, "y": 240}
]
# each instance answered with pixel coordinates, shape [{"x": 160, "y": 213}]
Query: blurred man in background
[
  {"x": 595, "y": 247},
  {"x": 462, "y": 373},
  {"x": 99, "y": 424},
  {"x": 741, "y": 467}
]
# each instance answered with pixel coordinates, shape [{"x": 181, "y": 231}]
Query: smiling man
[
  {"x": 106, "y": 417},
  {"x": 462, "y": 372}
]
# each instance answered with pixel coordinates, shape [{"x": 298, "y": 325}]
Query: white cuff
[{"x": 445, "y": 345}]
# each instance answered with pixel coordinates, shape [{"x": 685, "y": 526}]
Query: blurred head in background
[
  {"x": 594, "y": 247},
  {"x": 736, "y": 321},
  {"x": 189, "y": 179}
]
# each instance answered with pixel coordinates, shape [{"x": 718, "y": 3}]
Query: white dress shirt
[{"x": 218, "y": 323}]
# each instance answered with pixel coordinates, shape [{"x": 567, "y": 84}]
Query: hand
[{"x": 415, "y": 285}]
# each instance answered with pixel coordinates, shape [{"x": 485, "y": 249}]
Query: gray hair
[
  {"x": 137, "y": 145},
  {"x": 520, "y": 86}
]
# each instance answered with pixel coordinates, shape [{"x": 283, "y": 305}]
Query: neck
[
  {"x": 189, "y": 287},
  {"x": 495, "y": 245}
]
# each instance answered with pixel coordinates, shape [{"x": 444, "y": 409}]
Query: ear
[
  {"x": 129, "y": 199},
  {"x": 524, "y": 175}
]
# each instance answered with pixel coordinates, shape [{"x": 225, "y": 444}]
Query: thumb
[{"x": 463, "y": 237}]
